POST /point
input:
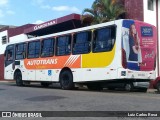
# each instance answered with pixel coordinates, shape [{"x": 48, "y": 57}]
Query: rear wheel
[
  {"x": 128, "y": 87},
  {"x": 18, "y": 78},
  {"x": 158, "y": 87},
  {"x": 66, "y": 80}
]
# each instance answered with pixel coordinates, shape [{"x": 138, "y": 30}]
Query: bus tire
[
  {"x": 66, "y": 80},
  {"x": 18, "y": 78},
  {"x": 94, "y": 87},
  {"x": 128, "y": 87}
]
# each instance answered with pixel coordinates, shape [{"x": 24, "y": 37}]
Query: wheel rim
[
  {"x": 128, "y": 87},
  {"x": 19, "y": 79},
  {"x": 65, "y": 80}
]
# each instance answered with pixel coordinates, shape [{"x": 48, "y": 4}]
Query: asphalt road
[{"x": 37, "y": 98}]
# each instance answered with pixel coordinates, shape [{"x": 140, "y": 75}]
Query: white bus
[{"x": 98, "y": 56}]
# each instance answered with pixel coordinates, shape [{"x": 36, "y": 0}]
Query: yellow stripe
[{"x": 97, "y": 60}]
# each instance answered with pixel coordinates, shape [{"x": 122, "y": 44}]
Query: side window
[
  {"x": 63, "y": 46},
  {"x": 47, "y": 47},
  {"x": 151, "y": 5},
  {"x": 33, "y": 49},
  {"x": 104, "y": 39},
  {"x": 21, "y": 51},
  {"x": 9, "y": 55},
  {"x": 81, "y": 44}
]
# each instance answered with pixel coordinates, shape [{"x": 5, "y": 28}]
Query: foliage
[{"x": 103, "y": 11}]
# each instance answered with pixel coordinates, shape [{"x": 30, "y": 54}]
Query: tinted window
[
  {"x": 34, "y": 49},
  {"x": 82, "y": 43},
  {"x": 151, "y": 5},
  {"x": 47, "y": 47},
  {"x": 10, "y": 55},
  {"x": 20, "y": 51},
  {"x": 63, "y": 45},
  {"x": 104, "y": 39}
]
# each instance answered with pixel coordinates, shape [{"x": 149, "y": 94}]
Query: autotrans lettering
[
  {"x": 52, "y": 62},
  {"x": 42, "y": 62}
]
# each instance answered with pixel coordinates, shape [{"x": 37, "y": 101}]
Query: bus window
[
  {"x": 21, "y": 51},
  {"x": 47, "y": 47},
  {"x": 63, "y": 45},
  {"x": 33, "y": 49},
  {"x": 82, "y": 43},
  {"x": 104, "y": 39},
  {"x": 9, "y": 56}
]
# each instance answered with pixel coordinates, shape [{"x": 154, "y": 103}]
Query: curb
[
  {"x": 7, "y": 81},
  {"x": 151, "y": 90}
]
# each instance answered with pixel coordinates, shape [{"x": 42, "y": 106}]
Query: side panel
[
  {"x": 71, "y": 61},
  {"x": 98, "y": 60},
  {"x": 139, "y": 42},
  {"x": 44, "y": 75}
]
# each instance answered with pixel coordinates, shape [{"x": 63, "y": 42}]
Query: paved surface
[{"x": 37, "y": 98}]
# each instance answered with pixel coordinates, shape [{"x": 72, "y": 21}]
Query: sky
[{"x": 21, "y": 12}]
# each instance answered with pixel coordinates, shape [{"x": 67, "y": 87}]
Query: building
[
  {"x": 143, "y": 10},
  {"x": 10, "y": 34}
]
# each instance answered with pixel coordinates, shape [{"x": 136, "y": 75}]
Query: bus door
[{"x": 9, "y": 62}]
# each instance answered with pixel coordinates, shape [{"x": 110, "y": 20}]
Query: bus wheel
[
  {"x": 128, "y": 87},
  {"x": 45, "y": 84},
  {"x": 18, "y": 79},
  {"x": 158, "y": 87},
  {"x": 94, "y": 87},
  {"x": 66, "y": 80}
]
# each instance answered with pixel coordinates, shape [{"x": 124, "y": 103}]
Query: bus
[{"x": 119, "y": 52}]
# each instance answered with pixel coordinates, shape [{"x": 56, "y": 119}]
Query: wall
[
  {"x": 18, "y": 38},
  {"x": 1, "y": 67},
  {"x": 2, "y": 47},
  {"x": 149, "y": 16},
  {"x": 134, "y": 9},
  {"x": 159, "y": 34}
]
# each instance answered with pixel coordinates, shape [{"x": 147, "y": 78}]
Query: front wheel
[
  {"x": 18, "y": 78},
  {"x": 66, "y": 80}
]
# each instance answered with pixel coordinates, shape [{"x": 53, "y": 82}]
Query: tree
[{"x": 103, "y": 11}]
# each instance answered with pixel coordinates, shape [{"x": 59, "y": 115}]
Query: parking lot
[{"x": 36, "y": 98}]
